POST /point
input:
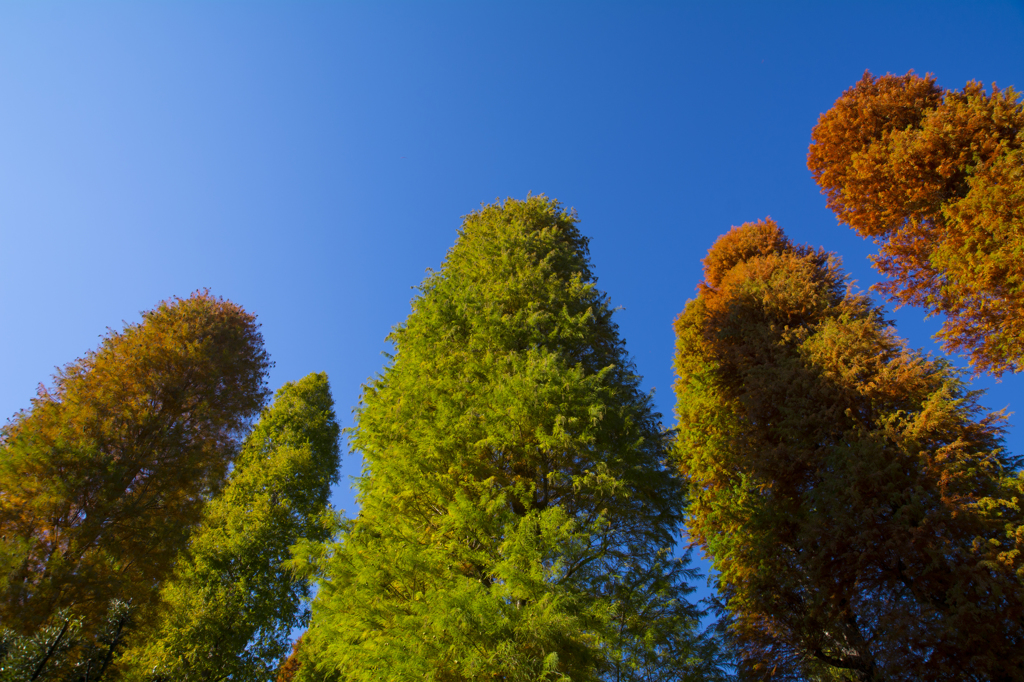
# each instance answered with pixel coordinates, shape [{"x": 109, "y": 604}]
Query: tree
[
  {"x": 64, "y": 650},
  {"x": 517, "y": 512},
  {"x": 852, "y": 495},
  {"x": 290, "y": 666},
  {"x": 230, "y": 606},
  {"x": 101, "y": 480},
  {"x": 937, "y": 178}
]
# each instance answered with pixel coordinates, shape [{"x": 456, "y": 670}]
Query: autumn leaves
[
  {"x": 520, "y": 501},
  {"x": 857, "y": 504},
  {"x": 936, "y": 177},
  {"x": 144, "y": 520}
]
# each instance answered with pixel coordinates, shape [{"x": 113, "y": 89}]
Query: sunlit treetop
[
  {"x": 936, "y": 178},
  {"x": 517, "y": 512}
]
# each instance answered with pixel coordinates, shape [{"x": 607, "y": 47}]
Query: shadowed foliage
[{"x": 854, "y": 498}]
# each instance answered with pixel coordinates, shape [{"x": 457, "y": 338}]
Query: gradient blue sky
[{"x": 310, "y": 160}]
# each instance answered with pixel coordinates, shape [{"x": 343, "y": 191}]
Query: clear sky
[{"x": 310, "y": 160}]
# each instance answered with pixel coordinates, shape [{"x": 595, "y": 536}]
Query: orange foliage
[
  {"x": 290, "y": 667},
  {"x": 740, "y": 244},
  {"x": 101, "y": 480},
  {"x": 936, "y": 177},
  {"x": 850, "y": 491}
]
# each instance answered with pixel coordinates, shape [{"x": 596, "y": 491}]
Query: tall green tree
[
  {"x": 230, "y": 607},
  {"x": 936, "y": 178},
  {"x": 102, "y": 479},
  {"x": 855, "y": 499},
  {"x": 517, "y": 511}
]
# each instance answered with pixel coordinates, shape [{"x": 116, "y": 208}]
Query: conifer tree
[
  {"x": 517, "y": 513},
  {"x": 853, "y": 496},
  {"x": 230, "y": 607},
  {"x": 936, "y": 177},
  {"x": 290, "y": 666},
  {"x": 101, "y": 480}
]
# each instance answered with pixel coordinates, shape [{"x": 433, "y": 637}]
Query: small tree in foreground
[
  {"x": 517, "y": 512},
  {"x": 937, "y": 178},
  {"x": 230, "y": 607},
  {"x": 853, "y": 497}
]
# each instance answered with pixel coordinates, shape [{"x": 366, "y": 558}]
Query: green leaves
[
  {"x": 231, "y": 604},
  {"x": 63, "y": 650},
  {"x": 514, "y": 474}
]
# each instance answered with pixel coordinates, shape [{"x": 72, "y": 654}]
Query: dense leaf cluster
[
  {"x": 517, "y": 511},
  {"x": 849, "y": 490},
  {"x": 230, "y": 606},
  {"x": 103, "y": 478},
  {"x": 129, "y": 552},
  {"x": 937, "y": 177}
]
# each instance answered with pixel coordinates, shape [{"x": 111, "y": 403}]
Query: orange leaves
[
  {"x": 740, "y": 244},
  {"x": 839, "y": 479},
  {"x": 937, "y": 178},
  {"x": 104, "y": 475},
  {"x": 855, "y": 134}
]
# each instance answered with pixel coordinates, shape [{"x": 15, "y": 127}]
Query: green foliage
[
  {"x": 102, "y": 479},
  {"x": 230, "y": 607},
  {"x": 851, "y": 492},
  {"x": 63, "y": 651},
  {"x": 517, "y": 512}
]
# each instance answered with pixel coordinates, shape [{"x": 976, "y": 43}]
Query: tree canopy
[
  {"x": 936, "y": 177},
  {"x": 517, "y": 512},
  {"x": 103, "y": 478},
  {"x": 230, "y": 607},
  {"x": 854, "y": 498}
]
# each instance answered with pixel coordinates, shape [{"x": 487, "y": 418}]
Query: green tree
[
  {"x": 230, "y": 606},
  {"x": 101, "y": 480},
  {"x": 853, "y": 496},
  {"x": 517, "y": 511},
  {"x": 63, "y": 650},
  {"x": 936, "y": 177}
]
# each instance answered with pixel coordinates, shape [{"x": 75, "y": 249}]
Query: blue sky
[{"x": 310, "y": 160}]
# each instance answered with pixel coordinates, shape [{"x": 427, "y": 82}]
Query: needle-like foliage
[
  {"x": 517, "y": 513},
  {"x": 937, "y": 178},
  {"x": 854, "y": 498},
  {"x": 102, "y": 479},
  {"x": 230, "y": 607}
]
